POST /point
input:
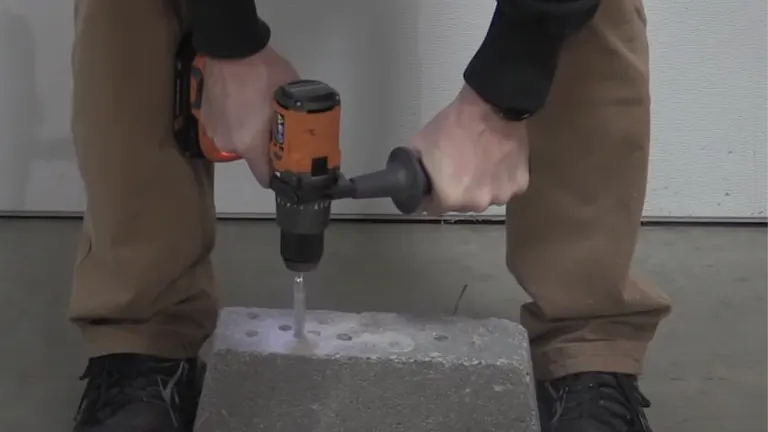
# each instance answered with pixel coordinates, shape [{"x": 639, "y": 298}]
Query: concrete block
[{"x": 370, "y": 372}]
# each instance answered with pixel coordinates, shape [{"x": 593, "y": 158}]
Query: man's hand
[
  {"x": 237, "y": 105},
  {"x": 474, "y": 158}
]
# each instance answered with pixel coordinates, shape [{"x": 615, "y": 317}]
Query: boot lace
[{"x": 114, "y": 383}]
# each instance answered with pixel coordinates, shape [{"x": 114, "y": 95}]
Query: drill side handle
[{"x": 404, "y": 180}]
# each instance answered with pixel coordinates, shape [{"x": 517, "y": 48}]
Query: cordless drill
[{"x": 306, "y": 158}]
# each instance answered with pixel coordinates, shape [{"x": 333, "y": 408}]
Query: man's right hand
[{"x": 237, "y": 105}]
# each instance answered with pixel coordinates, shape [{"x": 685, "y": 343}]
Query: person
[{"x": 559, "y": 89}]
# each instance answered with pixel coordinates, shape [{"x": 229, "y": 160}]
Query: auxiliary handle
[{"x": 404, "y": 180}]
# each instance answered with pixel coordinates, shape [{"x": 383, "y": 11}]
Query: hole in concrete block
[
  {"x": 252, "y": 333},
  {"x": 344, "y": 337},
  {"x": 284, "y": 327},
  {"x": 441, "y": 338},
  {"x": 253, "y": 315}
]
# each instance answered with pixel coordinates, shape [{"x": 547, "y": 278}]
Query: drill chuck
[
  {"x": 302, "y": 228},
  {"x": 301, "y": 252}
]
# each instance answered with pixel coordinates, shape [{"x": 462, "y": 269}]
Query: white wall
[
  {"x": 709, "y": 89},
  {"x": 396, "y": 63}
]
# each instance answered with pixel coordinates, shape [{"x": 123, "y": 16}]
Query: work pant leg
[
  {"x": 143, "y": 279},
  {"x": 571, "y": 236}
]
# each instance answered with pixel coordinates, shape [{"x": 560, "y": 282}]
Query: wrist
[{"x": 471, "y": 101}]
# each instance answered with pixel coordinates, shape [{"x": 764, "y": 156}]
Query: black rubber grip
[{"x": 404, "y": 180}]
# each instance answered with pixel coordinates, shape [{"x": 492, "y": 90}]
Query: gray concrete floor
[{"x": 705, "y": 372}]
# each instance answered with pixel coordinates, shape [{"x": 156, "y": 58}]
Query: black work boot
[
  {"x": 592, "y": 402},
  {"x": 139, "y": 393}
]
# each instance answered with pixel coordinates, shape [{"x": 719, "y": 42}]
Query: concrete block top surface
[{"x": 376, "y": 335}]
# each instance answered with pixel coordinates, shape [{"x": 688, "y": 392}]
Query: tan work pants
[{"x": 143, "y": 279}]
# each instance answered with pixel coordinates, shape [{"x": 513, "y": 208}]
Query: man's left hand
[{"x": 473, "y": 156}]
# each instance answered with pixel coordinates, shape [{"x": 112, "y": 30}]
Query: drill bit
[{"x": 299, "y": 306}]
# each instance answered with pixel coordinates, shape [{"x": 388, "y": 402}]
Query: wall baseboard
[{"x": 457, "y": 219}]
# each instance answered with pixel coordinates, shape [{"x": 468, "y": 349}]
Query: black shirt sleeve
[
  {"x": 515, "y": 65},
  {"x": 228, "y": 29}
]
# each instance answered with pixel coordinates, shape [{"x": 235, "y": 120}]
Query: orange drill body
[
  {"x": 299, "y": 138},
  {"x": 305, "y": 135}
]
